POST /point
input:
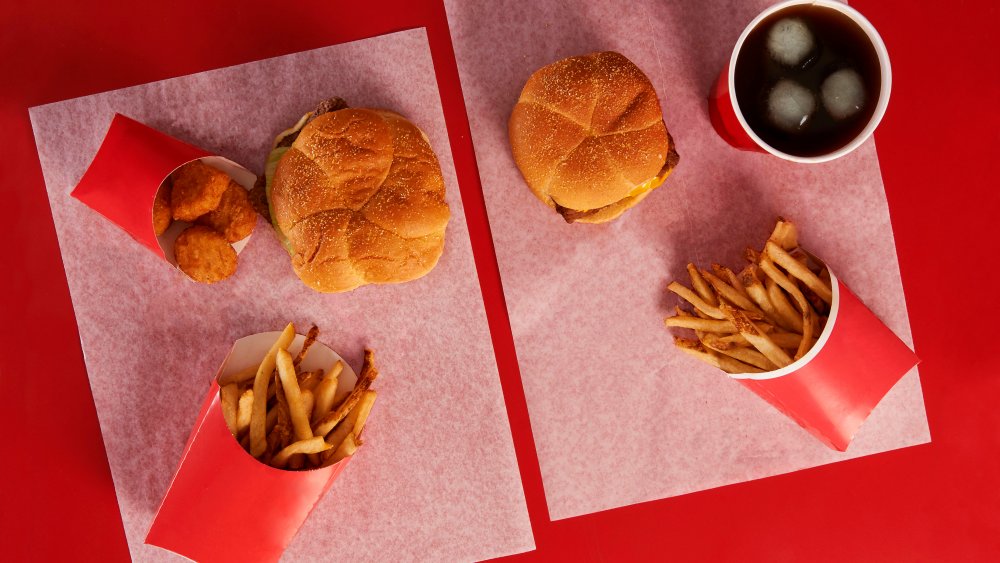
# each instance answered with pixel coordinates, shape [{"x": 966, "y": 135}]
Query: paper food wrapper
[
  {"x": 587, "y": 302},
  {"x": 430, "y": 488},
  {"x": 832, "y": 389},
  {"x": 132, "y": 163},
  {"x": 224, "y": 505}
]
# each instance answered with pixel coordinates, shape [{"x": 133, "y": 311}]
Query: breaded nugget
[
  {"x": 234, "y": 217},
  {"x": 197, "y": 189},
  {"x": 205, "y": 255},
  {"x": 161, "y": 209}
]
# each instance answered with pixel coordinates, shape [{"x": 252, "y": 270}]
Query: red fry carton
[
  {"x": 832, "y": 389},
  {"x": 224, "y": 505},
  {"x": 133, "y": 161}
]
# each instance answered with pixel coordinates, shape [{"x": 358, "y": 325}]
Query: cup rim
[{"x": 885, "y": 71}]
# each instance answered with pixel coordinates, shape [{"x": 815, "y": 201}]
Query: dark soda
[{"x": 768, "y": 85}]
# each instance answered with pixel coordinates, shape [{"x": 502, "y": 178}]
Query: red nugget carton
[
  {"x": 131, "y": 165},
  {"x": 832, "y": 389},
  {"x": 224, "y": 505}
]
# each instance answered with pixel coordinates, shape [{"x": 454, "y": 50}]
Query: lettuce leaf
[{"x": 272, "y": 164}]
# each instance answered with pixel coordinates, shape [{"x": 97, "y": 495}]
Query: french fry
[
  {"x": 312, "y": 445},
  {"x": 725, "y": 363},
  {"x": 228, "y": 396},
  {"x": 308, "y": 380},
  {"x": 745, "y": 355},
  {"x": 701, "y": 286},
  {"x": 730, "y": 277},
  {"x": 695, "y": 323},
  {"x": 243, "y": 412},
  {"x": 756, "y": 337},
  {"x": 798, "y": 270},
  {"x": 361, "y": 412},
  {"x": 808, "y": 316},
  {"x": 337, "y": 435},
  {"x": 782, "y": 339},
  {"x": 258, "y": 418},
  {"x": 290, "y": 386},
  {"x": 308, "y": 401},
  {"x": 715, "y": 342},
  {"x": 750, "y": 255},
  {"x": 292, "y": 403},
  {"x": 782, "y": 306},
  {"x": 272, "y": 419},
  {"x": 729, "y": 293},
  {"x": 310, "y": 338},
  {"x": 241, "y": 376},
  {"x": 758, "y": 294},
  {"x": 326, "y": 391},
  {"x": 785, "y": 234},
  {"x": 696, "y": 300},
  {"x": 368, "y": 374},
  {"x": 345, "y": 449}
]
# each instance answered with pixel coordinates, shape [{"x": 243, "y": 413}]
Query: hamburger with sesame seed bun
[
  {"x": 588, "y": 135},
  {"x": 357, "y": 197}
]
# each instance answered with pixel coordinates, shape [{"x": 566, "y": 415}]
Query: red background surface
[{"x": 938, "y": 146}]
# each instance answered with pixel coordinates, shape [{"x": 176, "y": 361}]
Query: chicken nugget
[
  {"x": 234, "y": 217},
  {"x": 161, "y": 209},
  {"x": 197, "y": 189},
  {"x": 205, "y": 255}
]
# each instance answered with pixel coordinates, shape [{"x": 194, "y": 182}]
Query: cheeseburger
[
  {"x": 357, "y": 197},
  {"x": 588, "y": 135}
]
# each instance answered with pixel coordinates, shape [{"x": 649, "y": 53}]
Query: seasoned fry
[
  {"x": 755, "y": 337},
  {"x": 292, "y": 403},
  {"x": 725, "y": 363},
  {"x": 694, "y": 299},
  {"x": 229, "y": 395},
  {"x": 782, "y": 339},
  {"x": 310, "y": 338},
  {"x": 707, "y": 325},
  {"x": 785, "y": 234},
  {"x": 729, "y": 277},
  {"x": 308, "y": 401},
  {"x": 745, "y": 355},
  {"x": 782, "y": 306},
  {"x": 798, "y": 270},
  {"x": 772, "y": 311},
  {"x": 308, "y": 380},
  {"x": 326, "y": 391},
  {"x": 701, "y": 286},
  {"x": 312, "y": 445},
  {"x": 290, "y": 386},
  {"x": 360, "y": 413},
  {"x": 758, "y": 293},
  {"x": 808, "y": 315},
  {"x": 729, "y": 293},
  {"x": 258, "y": 438},
  {"x": 272, "y": 419},
  {"x": 244, "y": 411},
  {"x": 368, "y": 374},
  {"x": 345, "y": 449}
]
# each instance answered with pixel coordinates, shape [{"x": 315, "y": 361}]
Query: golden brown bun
[
  {"x": 586, "y": 132},
  {"x": 361, "y": 199}
]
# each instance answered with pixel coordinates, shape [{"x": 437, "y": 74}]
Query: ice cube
[
  {"x": 790, "y": 106},
  {"x": 843, "y": 93},
  {"x": 790, "y": 42}
]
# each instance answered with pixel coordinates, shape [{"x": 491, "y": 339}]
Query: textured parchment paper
[
  {"x": 437, "y": 478},
  {"x": 618, "y": 415}
]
